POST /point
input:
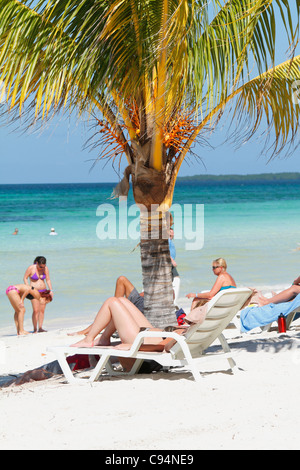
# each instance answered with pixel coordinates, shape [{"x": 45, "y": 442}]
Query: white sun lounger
[
  {"x": 186, "y": 352},
  {"x": 290, "y": 317}
]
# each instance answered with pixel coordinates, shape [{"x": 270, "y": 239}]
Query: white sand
[{"x": 257, "y": 408}]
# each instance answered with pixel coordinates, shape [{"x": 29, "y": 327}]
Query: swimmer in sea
[
  {"x": 16, "y": 295},
  {"x": 38, "y": 273}
]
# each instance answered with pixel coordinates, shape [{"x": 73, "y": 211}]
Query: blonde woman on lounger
[
  {"x": 224, "y": 281},
  {"x": 121, "y": 315}
]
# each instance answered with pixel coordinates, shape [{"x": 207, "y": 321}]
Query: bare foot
[
  {"x": 263, "y": 301},
  {"x": 80, "y": 333},
  {"x": 23, "y": 333},
  {"x": 42, "y": 331},
  {"x": 84, "y": 343}
]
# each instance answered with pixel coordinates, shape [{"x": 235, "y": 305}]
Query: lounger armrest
[{"x": 154, "y": 334}]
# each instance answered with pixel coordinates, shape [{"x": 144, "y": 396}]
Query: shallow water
[{"x": 255, "y": 227}]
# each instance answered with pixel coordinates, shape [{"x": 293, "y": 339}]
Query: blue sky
[{"x": 57, "y": 155}]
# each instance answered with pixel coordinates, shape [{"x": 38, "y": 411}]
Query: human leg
[
  {"x": 120, "y": 314},
  {"x": 284, "y": 296},
  {"x": 19, "y": 312},
  {"x": 123, "y": 287},
  {"x": 136, "y": 313},
  {"x": 41, "y": 316},
  {"x": 35, "y": 314}
]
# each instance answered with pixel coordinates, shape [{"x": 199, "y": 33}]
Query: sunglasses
[{"x": 215, "y": 267}]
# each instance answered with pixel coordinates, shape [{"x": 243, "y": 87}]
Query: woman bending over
[{"x": 16, "y": 295}]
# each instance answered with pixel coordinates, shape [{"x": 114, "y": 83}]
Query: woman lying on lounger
[
  {"x": 120, "y": 314},
  {"x": 224, "y": 281},
  {"x": 283, "y": 296}
]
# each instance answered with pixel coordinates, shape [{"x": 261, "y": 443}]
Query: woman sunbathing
[
  {"x": 120, "y": 314},
  {"x": 224, "y": 281}
]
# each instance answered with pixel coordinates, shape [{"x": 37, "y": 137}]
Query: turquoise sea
[{"x": 254, "y": 225}]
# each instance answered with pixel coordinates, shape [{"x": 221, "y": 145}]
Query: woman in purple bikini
[{"x": 38, "y": 273}]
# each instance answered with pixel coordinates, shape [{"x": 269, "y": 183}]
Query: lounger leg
[
  {"x": 196, "y": 373},
  {"x": 136, "y": 366},
  {"x": 290, "y": 318},
  {"x": 99, "y": 367},
  {"x": 62, "y": 359},
  {"x": 190, "y": 361},
  {"x": 226, "y": 349}
]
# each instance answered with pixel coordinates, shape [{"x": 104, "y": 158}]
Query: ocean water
[{"x": 254, "y": 226}]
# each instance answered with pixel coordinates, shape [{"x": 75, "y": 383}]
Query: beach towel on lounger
[{"x": 252, "y": 317}]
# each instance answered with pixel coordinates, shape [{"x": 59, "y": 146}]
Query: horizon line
[{"x": 178, "y": 178}]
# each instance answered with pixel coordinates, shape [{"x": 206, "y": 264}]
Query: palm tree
[{"x": 155, "y": 74}]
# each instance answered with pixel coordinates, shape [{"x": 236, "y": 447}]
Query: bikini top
[{"x": 35, "y": 277}]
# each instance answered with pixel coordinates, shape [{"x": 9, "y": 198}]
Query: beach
[
  {"x": 254, "y": 226},
  {"x": 256, "y": 408}
]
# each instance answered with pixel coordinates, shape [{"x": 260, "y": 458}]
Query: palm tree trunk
[
  {"x": 156, "y": 269},
  {"x": 150, "y": 190}
]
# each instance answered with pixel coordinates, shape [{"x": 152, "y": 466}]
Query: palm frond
[
  {"x": 268, "y": 100},
  {"x": 113, "y": 55}
]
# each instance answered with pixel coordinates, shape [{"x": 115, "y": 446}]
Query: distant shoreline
[
  {"x": 260, "y": 177},
  {"x": 234, "y": 178}
]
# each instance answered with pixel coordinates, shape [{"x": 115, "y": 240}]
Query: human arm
[
  {"x": 209, "y": 294},
  {"x": 27, "y": 275},
  {"x": 24, "y": 295},
  {"x": 48, "y": 280},
  {"x": 191, "y": 295}
]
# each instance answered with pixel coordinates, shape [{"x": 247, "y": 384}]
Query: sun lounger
[
  {"x": 187, "y": 351},
  {"x": 290, "y": 317},
  {"x": 253, "y": 317}
]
